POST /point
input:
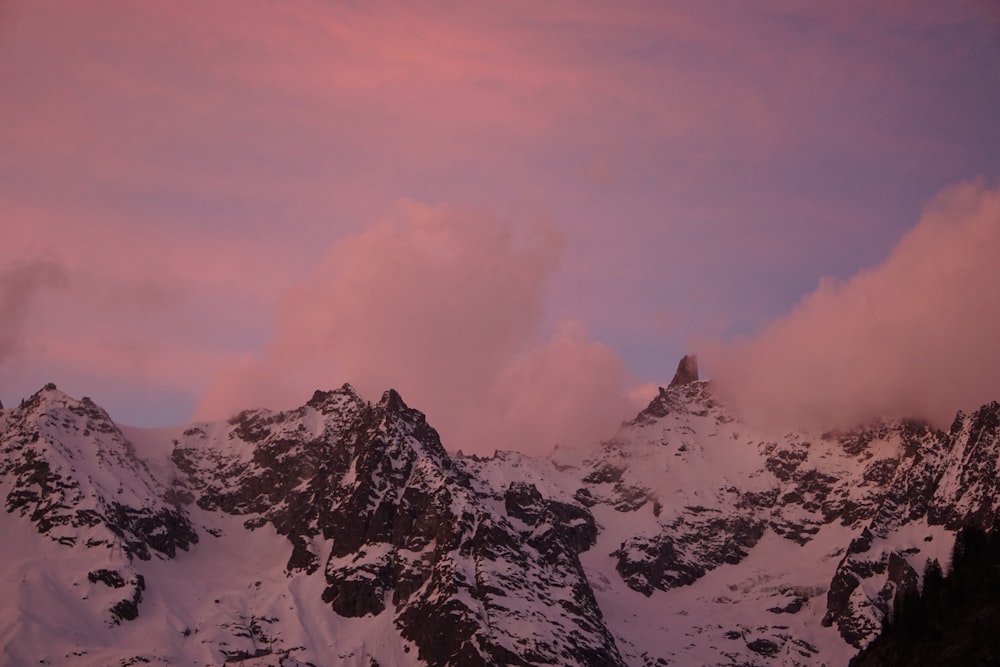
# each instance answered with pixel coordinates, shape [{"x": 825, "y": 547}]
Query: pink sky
[{"x": 516, "y": 214}]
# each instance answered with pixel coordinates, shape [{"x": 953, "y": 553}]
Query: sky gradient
[{"x": 520, "y": 216}]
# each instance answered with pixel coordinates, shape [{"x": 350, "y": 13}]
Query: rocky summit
[{"x": 343, "y": 532}]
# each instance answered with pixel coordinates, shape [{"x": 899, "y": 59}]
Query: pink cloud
[
  {"x": 446, "y": 306},
  {"x": 147, "y": 307},
  {"x": 915, "y": 336},
  {"x": 565, "y": 392},
  {"x": 187, "y": 165},
  {"x": 20, "y": 283}
]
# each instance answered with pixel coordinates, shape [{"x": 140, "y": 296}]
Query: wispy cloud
[{"x": 19, "y": 284}]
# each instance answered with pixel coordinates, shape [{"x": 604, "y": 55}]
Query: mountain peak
[
  {"x": 50, "y": 396},
  {"x": 440, "y": 561},
  {"x": 342, "y": 403},
  {"x": 393, "y": 401},
  {"x": 687, "y": 371}
]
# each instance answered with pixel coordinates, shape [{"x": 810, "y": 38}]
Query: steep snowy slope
[
  {"x": 695, "y": 560},
  {"x": 741, "y": 534},
  {"x": 343, "y": 533},
  {"x": 337, "y": 533},
  {"x": 719, "y": 544}
]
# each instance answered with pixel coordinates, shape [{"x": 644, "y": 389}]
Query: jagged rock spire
[{"x": 687, "y": 371}]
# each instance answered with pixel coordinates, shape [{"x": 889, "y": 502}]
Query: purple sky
[{"x": 519, "y": 214}]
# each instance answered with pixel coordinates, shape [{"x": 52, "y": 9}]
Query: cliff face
[
  {"x": 368, "y": 495},
  {"x": 951, "y": 620},
  {"x": 377, "y": 519},
  {"x": 343, "y": 533}
]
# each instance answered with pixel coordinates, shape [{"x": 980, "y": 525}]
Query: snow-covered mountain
[{"x": 343, "y": 533}]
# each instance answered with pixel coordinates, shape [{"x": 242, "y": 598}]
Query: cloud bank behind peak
[
  {"x": 916, "y": 336},
  {"x": 445, "y": 305}
]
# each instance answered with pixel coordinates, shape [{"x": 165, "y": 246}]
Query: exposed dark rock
[
  {"x": 585, "y": 497},
  {"x": 110, "y": 578},
  {"x": 405, "y": 527},
  {"x": 687, "y": 549},
  {"x": 164, "y": 530},
  {"x": 764, "y": 647},
  {"x": 952, "y": 620},
  {"x": 47, "y": 489},
  {"x": 128, "y": 609},
  {"x": 658, "y": 408},
  {"x": 360, "y": 589},
  {"x": 793, "y": 607},
  {"x": 604, "y": 474},
  {"x": 971, "y": 479},
  {"x": 785, "y": 463},
  {"x": 687, "y": 371},
  {"x": 903, "y": 580},
  {"x": 523, "y": 501},
  {"x": 575, "y": 525},
  {"x": 693, "y": 398}
]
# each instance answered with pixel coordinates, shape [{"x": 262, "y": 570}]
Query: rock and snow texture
[
  {"x": 343, "y": 533},
  {"x": 338, "y": 533}
]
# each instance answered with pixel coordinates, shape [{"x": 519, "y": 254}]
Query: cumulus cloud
[
  {"x": 917, "y": 336},
  {"x": 19, "y": 284},
  {"x": 445, "y": 305},
  {"x": 566, "y": 391}
]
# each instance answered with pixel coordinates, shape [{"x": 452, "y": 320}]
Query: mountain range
[{"x": 343, "y": 532}]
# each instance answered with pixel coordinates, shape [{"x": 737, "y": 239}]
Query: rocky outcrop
[
  {"x": 882, "y": 482},
  {"x": 687, "y": 371},
  {"x": 470, "y": 578},
  {"x": 937, "y": 479},
  {"x": 967, "y": 491},
  {"x": 102, "y": 489},
  {"x": 690, "y": 546},
  {"x": 66, "y": 467}
]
